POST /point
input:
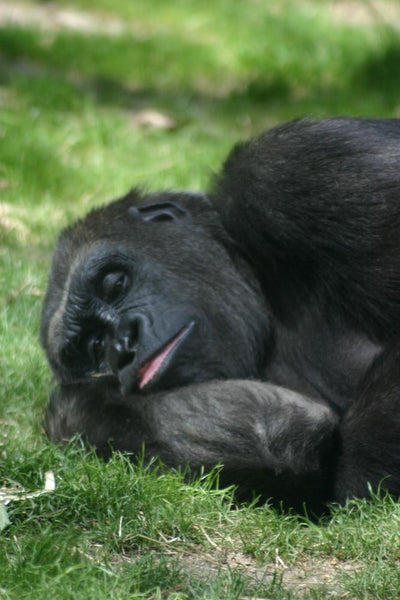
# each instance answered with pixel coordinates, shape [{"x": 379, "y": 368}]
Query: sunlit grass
[{"x": 70, "y": 138}]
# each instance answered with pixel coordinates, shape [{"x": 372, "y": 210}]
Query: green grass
[{"x": 70, "y": 140}]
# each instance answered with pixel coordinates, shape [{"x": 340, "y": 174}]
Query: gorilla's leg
[
  {"x": 370, "y": 433},
  {"x": 270, "y": 440}
]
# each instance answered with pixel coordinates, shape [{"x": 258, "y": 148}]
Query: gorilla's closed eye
[{"x": 113, "y": 285}]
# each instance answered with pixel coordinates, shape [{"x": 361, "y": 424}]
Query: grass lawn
[{"x": 100, "y": 95}]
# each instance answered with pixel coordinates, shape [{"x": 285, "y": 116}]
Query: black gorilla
[{"x": 256, "y": 326}]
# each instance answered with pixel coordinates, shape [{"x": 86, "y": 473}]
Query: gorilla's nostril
[
  {"x": 122, "y": 352},
  {"x": 134, "y": 335},
  {"x": 124, "y": 346},
  {"x": 125, "y": 358}
]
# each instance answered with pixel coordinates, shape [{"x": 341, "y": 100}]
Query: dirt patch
[
  {"x": 50, "y": 16},
  {"x": 301, "y": 577},
  {"x": 368, "y": 12}
]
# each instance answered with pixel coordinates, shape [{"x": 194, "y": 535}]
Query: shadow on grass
[
  {"x": 65, "y": 71},
  {"x": 382, "y": 73}
]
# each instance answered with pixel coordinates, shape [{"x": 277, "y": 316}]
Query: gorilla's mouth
[{"x": 160, "y": 361}]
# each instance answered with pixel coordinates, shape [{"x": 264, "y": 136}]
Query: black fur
[{"x": 272, "y": 304}]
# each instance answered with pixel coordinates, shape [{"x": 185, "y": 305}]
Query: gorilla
[{"x": 256, "y": 326}]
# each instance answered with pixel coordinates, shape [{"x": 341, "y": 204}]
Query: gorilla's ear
[{"x": 158, "y": 211}]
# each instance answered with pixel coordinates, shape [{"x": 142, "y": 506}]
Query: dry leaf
[{"x": 153, "y": 118}]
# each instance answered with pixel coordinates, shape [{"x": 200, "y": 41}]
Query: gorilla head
[{"x": 149, "y": 290}]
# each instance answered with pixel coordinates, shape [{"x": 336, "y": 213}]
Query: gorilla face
[{"x": 151, "y": 298}]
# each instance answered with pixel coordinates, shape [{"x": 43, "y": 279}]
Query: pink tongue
[{"x": 151, "y": 367}]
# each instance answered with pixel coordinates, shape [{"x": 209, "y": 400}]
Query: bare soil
[
  {"x": 47, "y": 15},
  {"x": 50, "y": 16},
  {"x": 300, "y": 577}
]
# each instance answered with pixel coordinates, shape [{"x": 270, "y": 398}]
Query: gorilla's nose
[{"x": 124, "y": 346}]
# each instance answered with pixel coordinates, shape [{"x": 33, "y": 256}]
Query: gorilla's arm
[
  {"x": 270, "y": 440},
  {"x": 312, "y": 206}
]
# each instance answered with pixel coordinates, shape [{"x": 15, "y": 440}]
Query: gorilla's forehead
[{"x": 158, "y": 245}]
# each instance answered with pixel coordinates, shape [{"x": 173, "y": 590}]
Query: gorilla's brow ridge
[{"x": 54, "y": 329}]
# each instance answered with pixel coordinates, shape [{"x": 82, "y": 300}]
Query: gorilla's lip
[{"x": 159, "y": 361}]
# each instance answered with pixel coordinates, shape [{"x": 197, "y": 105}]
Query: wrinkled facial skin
[{"x": 141, "y": 291}]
